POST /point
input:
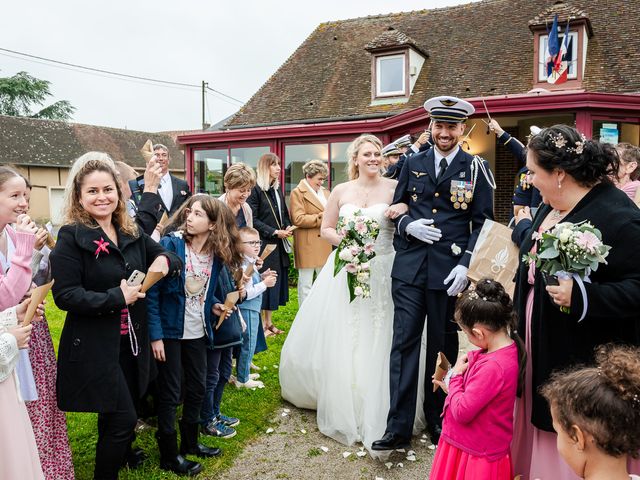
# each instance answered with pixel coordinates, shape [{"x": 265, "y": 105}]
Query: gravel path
[{"x": 290, "y": 453}]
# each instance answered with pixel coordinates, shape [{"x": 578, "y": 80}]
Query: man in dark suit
[
  {"x": 449, "y": 194},
  {"x": 172, "y": 190}
]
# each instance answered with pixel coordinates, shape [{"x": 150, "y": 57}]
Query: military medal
[
  {"x": 464, "y": 206},
  {"x": 414, "y": 197},
  {"x": 457, "y": 205},
  {"x": 454, "y": 198}
]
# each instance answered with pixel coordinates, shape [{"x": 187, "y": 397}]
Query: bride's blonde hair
[{"x": 354, "y": 148}]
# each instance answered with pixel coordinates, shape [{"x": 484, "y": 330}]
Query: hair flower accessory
[
  {"x": 102, "y": 246},
  {"x": 558, "y": 140}
]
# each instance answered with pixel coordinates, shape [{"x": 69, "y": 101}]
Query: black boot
[
  {"x": 169, "y": 458},
  {"x": 189, "y": 444}
]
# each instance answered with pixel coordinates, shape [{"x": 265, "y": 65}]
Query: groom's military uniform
[{"x": 458, "y": 197}]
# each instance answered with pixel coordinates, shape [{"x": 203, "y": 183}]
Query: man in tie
[
  {"x": 449, "y": 195},
  {"x": 172, "y": 190}
]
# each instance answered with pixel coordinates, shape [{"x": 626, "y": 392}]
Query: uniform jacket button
[
  {"x": 76, "y": 342},
  {"x": 435, "y": 210},
  {"x": 436, "y": 195}
]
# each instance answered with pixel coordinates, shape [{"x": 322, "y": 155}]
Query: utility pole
[{"x": 204, "y": 86}]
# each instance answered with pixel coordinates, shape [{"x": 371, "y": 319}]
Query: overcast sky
[{"x": 234, "y": 45}]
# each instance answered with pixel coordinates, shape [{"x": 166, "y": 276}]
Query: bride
[{"x": 336, "y": 357}]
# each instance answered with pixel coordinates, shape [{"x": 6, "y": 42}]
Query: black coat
[
  {"x": 430, "y": 197},
  {"x": 266, "y": 223},
  {"x": 88, "y": 288},
  {"x": 558, "y": 340}
]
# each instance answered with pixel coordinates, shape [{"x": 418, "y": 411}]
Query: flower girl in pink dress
[{"x": 478, "y": 413}]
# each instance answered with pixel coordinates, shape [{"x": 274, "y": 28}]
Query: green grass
[{"x": 254, "y": 408}]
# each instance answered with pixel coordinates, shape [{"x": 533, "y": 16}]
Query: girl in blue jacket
[{"x": 183, "y": 311}]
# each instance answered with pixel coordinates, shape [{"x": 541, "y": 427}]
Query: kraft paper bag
[
  {"x": 495, "y": 256},
  {"x": 147, "y": 150}
]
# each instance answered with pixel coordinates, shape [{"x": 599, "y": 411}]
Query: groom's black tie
[{"x": 443, "y": 167}]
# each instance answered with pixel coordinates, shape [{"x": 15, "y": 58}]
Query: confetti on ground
[
  {"x": 400, "y": 450},
  {"x": 346, "y": 454},
  {"x": 361, "y": 454},
  {"x": 284, "y": 414},
  {"x": 324, "y": 449},
  {"x": 411, "y": 458},
  {"x": 431, "y": 447},
  {"x": 269, "y": 430},
  {"x": 388, "y": 465},
  {"x": 302, "y": 430},
  {"x": 286, "y": 410},
  {"x": 423, "y": 440},
  {"x": 400, "y": 465}
]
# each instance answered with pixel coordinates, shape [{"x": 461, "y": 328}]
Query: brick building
[{"x": 372, "y": 75}]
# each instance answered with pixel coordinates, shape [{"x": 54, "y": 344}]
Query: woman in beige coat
[{"x": 308, "y": 200}]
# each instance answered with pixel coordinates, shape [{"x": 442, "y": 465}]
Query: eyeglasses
[{"x": 254, "y": 243}]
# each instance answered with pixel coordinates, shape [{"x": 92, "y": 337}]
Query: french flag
[
  {"x": 553, "y": 48},
  {"x": 558, "y": 64}
]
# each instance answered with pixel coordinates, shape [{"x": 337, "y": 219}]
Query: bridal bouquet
[
  {"x": 356, "y": 251},
  {"x": 569, "y": 249}
]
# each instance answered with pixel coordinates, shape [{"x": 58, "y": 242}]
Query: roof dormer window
[
  {"x": 391, "y": 75},
  {"x": 396, "y": 62},
  {"x": 571, "y": 57}
]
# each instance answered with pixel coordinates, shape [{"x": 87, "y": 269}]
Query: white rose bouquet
[
  {"x": 569, "y": 249},
  {"x": 355, "y": 251}
]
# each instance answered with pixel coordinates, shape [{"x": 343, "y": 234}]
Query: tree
[{"x": 18, "y": 94}]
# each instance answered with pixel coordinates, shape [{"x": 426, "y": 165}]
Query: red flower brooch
[{"x": 102, "y": 246}]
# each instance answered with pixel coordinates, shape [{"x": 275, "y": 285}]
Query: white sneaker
[
  {"x": 250, "y": 384},
  {"x": 255, "y": 367},
  {"x": 233, "y": 380},
  {"x": 254, "y": 376}
]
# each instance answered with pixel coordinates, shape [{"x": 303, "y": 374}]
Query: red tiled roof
[
  {"x": 30, "y": 141},
  {"x": 476, "y": 49}
]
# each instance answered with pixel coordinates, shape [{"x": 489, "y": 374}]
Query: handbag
[
  {"x": 285, "y": 241},
  {"x": 495, "y": 256}
]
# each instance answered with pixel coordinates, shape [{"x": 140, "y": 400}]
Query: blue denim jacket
[{"x": 166, "y": 299}]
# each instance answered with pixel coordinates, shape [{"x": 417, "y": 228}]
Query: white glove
[
  {"x": 422, "y": 230},
  {"x": 459, "y": 277}
]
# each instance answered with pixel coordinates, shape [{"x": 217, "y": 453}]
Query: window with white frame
[
  {"x": 572, "y": 50},
  {"x": 390, "y": 75}
]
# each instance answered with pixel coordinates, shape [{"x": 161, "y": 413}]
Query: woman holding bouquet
[
  {"x": 563, "y": 323},
  {"x": 336, "y": 357}
]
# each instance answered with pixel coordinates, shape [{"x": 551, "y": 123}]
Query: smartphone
[
  {"x": 551, "y": 280},
  {"x": 136, "y": 278}
]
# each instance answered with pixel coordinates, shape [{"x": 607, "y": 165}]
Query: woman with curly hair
[{"x": 104, "y": 362}]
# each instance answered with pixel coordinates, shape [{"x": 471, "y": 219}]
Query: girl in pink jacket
[{"x": 478, "y": 413}]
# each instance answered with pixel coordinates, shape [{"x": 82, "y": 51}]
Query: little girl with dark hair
[
  {"x": 596, "y": 413},
  {"x": 478, "y": 413}
]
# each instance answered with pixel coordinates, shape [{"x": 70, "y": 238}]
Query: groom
[{"x": 449, "y": 198}]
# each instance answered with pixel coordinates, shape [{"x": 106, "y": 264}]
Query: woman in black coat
[
  {"x": 104, "y": 354},
  {"x": 572, "y": 175},
  {"x": 271, "y": 219}
]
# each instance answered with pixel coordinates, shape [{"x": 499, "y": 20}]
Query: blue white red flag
[
  {"x": 560, "y": 64},
  {"x": 553, "y": 47}
]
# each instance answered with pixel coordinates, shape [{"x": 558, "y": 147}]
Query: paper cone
[
  {"x": 442, "y": 367},
  {"x": 249, "y": 270},
  {"x": 147, "y": 150},
  {"x": 150, "y": 280},
  {"x": 163, "y": 219},
  {"x": 38, "y": 294},
  {"x": 268, "y": 250},
  {"x": 229, "y": 303}
]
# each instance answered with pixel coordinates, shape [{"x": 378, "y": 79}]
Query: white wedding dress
[{"x": 336, "y": 356}]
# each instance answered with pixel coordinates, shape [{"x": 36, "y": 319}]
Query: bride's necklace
[{"x": 366, "y": 192}]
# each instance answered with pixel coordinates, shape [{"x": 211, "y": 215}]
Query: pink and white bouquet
[
  {"x": 569, "y": 250},
  {"x": 355, "y": 251}
]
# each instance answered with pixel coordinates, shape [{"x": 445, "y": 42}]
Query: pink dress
[
  {"x": 478, "y": 419},
  {"x": 49, "y": 423},
  {"x": 18, "y": 451},
  {"x": 534, "y": 451}
]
